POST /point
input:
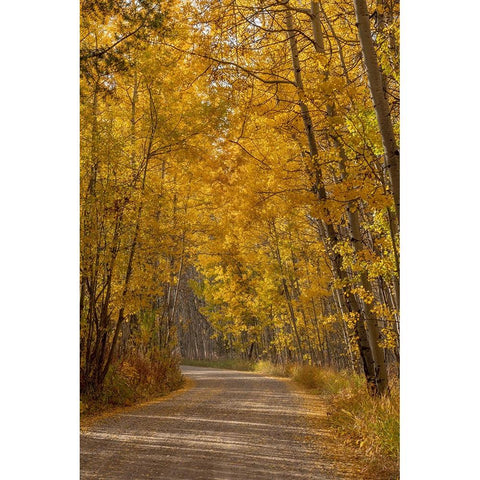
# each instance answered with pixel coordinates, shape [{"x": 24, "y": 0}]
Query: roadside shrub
[
  {"x": 136, "y": 378},
  {"x": 308, "y": 376},
  {"x": 370, "y": 424},
  {"x": 266, "y": 367}
]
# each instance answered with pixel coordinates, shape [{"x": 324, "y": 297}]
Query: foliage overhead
[{"x": 234, "y": 174}]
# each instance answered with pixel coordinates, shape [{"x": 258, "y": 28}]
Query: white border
[
  {"x": 440, "y": 239},
  {"x": 39, "y": 239}
]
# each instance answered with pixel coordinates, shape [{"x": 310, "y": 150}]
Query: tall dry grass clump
[
  {"x": 137, "y": 378},
  {"x": 274, "y": 369},
  {"x": 370, "y": 424}
]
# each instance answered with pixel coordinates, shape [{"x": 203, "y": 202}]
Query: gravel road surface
[{"x": 229, "y": 426}]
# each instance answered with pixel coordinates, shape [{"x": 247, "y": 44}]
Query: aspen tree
[{"x": 380, "y": 103}]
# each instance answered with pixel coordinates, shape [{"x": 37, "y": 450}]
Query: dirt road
[{"x": 229, "y": 426}]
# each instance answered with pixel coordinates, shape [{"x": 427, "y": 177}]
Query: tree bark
[
  {"x": 317, "y": 27},
  {"x": 380, "y": 103}
]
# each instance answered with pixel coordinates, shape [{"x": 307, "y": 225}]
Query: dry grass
[
  {"x": 369, "y": 424},
  {"x": 135, "y": 380},
  {"x": 275, "y": 370}
]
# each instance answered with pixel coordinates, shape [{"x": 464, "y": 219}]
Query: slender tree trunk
[
  {"x": 370, "y": 318},
  {"x": 172, "y": 312},
  {"x": 317, "y": 26},
  {"x": 128, "y": 275},
  {"x": 372, "y": 322},
  {"x": 288, "y": 296},
  {"x": 342, "y": 310},
  {"x": 380, "y": 103}
]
